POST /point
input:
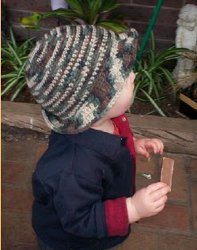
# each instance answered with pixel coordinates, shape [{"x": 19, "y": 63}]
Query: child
[{"x": 83, "y": 185}]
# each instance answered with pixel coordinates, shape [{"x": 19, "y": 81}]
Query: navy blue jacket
[{"x": 71, "y": 183}]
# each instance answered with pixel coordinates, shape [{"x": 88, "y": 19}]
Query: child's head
[{"x": 77, "y": 73}]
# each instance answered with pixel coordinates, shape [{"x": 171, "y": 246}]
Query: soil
[
  {"x": 24, "y": 96},
  {"x": 168, "y": 106}
]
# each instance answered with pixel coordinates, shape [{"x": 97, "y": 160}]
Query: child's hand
[
  {"x": 147, "y": 201},
  {"x": 145, "y": 146}
]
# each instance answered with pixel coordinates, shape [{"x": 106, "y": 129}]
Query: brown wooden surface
[
  {"x": 23, "y": 115},
  {"x": 188, "y": 101},
  {"x": 178, "y": 135}
]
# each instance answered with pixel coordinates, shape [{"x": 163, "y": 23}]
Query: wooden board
[
  {"x": 179, "y": 135},
  {"x": 23, "y": 115},
  {"x": 188, "y": 101}
]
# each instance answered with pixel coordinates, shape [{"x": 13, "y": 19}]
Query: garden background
[{"x": 137, "y": 12}]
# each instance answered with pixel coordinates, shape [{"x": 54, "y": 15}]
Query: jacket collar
[{"x": 104, "y": 143}]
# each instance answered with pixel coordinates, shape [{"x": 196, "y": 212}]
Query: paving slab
[{"x": 174, "y": 228}]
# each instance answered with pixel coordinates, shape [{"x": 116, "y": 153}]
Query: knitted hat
[{"x": 77, "y": 72}]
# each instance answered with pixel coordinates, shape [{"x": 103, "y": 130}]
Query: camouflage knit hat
[{"x": 77, "y": 72}]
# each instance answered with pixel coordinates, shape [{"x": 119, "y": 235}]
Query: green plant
[
  {"x": 97, "y": 12},
  {"x": 14, "y": 56},
  {"x": 152, "y": 75}
]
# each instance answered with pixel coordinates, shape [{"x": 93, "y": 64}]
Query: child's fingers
[
  {"x": 158, "y": 186},
  {"x": 159, "y": 194},
  {"x": 156, "y": 145},
  {"x": 151, "y": 146},
  {"x": 143, "y": 151},
  {"x": 145, "y": 146},
  {"x": 161, "y": 147},
  {"x": 155, "y": 186},
  {"x": 161, "y": 201},
  {"x": 160, "y": 208}
]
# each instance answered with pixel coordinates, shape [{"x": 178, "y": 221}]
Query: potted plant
[{"x": 98, "y": 12}]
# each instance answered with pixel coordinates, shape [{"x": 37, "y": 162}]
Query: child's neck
[{"x": 105, "y": 125}]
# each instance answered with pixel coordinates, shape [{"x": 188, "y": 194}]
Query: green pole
[{"x": 148, "y": 31}]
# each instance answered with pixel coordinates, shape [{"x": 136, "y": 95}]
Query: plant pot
[{"x": 188, "y": 106}]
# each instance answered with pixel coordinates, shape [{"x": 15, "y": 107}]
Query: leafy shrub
[
  {"x": 152, "y": 75},
  {"x": 97, "y": 12},
  {"x": 14, "y": 56}
]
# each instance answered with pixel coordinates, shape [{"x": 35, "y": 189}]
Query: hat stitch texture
[{"x": 77, "y": 72}]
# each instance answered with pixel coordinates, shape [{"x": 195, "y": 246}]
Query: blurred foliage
[
  {"x": 98, "y": 12},
  {"x": 14, "y": 57}
]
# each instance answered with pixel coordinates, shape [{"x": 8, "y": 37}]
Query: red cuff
[{"x": 116, "y": 217}]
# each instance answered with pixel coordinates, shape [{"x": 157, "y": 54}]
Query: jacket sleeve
[
  {"x": 117, "y": 217},
  {"x": 82, "y": 212}
]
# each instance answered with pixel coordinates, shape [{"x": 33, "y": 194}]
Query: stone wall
[{"x": 137, "y": 12}]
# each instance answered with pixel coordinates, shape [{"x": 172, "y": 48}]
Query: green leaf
[
  {"x": 65, "y": 13},
  {"x": 152, "y": 84},
  {"x": 136, "y": 89},
  {"x": 9, "y": 86},
  {"x": 153, "y": 103},
  {"x": 76, "y": 6},
  {"x": 151, "y": 56},
  {"x": 114, "y": 26},
  {"x": 170, "y": 79},
  {"x": 27, "y": 43},
  {"x": 5, "y": 52},
  {"x": 14, "y": 58},
  {"x": 151, "y": 81},
  {"x": 21, "y": 71},
  {"x": 8, "y": 81},
  {"x": 169, "y": 54},
  {"x": 14, "y": 53},
  {"x": 17, "y": 92},
  {"x": 12, "y": 38},
  {"x": 9, "y": 75},
  {"x": 109, "y": 5},
  {"x": 94, "y": 11},
  {"x": 32, "y": 21}
]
